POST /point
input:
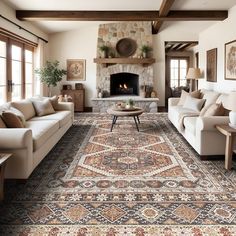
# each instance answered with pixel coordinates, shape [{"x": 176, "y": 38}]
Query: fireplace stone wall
[{"x": 110, "y": 34}]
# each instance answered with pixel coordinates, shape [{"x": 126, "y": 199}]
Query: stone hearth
[{"x": 102, "y": 104}]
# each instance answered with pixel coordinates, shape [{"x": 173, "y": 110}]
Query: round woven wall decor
[{"x": 126, "y": 47}]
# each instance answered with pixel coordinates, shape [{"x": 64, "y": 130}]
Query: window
[
  {"x": 16, "y": 70},
  {"x": 178, "y": 71}
]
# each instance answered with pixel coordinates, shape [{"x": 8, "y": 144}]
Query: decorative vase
[
  {"x": 127, "y": 106},
  {"x": 144, "y": 54}
]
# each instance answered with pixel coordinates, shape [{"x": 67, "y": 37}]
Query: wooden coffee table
[{"x": 136, "y": 112}]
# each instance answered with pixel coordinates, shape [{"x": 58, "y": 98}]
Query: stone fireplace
[
  {"x": 120, "y": 77},
  {"x": 110, "y": 34}
]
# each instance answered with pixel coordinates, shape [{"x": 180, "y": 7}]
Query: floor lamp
[{"x": 193, "y": 74}]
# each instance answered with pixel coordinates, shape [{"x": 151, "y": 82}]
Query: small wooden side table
[
  {"x": 229, "y": 133},
  {"x": 3, "y": 160}
]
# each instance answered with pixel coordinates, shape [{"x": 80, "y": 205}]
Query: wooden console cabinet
[{"x": 78, "y": 96}]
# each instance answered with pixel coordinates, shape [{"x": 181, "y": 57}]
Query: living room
[{"x": 107, "y": 171}]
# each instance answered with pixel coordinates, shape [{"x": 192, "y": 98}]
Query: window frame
[
  {"x": 9, "y": 42},
  {"x": 178, "y": 58}
]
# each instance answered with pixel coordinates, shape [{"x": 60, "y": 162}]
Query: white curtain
[{"x": 40, "y": 55}]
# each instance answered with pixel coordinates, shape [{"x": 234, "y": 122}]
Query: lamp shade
[
  {"x": 231, "y": 101},
  {"x": 193, "y": 73}
]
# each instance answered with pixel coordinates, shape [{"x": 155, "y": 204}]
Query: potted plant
[
  {"x": 145, "y": 49},
  {"x": 50, "y": 74},
  {"x": 129, "y": 103},
  {"x": 104, "y": 49}
]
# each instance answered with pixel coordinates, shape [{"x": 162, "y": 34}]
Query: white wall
[
  {"x": 76, "y": 44},
  {"x": 10, "y": 14},
  {"x": 215, "y": 37}
]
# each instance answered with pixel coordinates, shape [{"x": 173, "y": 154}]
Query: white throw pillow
[
  {"x": 184, "y": 94},
  {"x": 194, "y": 104}
]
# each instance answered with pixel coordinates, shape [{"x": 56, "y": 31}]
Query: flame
[
  {"x": 125, "y": 86},
  {"x": 120, "y": 86}
]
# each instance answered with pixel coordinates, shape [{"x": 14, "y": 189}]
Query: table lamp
[
  {"x": 231, "y": 105},
  {"x": 193, "y": 74}
]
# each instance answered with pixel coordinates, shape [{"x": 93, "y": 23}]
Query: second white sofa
[{"x": 200, "y": 131}]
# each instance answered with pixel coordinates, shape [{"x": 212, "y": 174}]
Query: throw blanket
[{"x": 181, "y": 119}]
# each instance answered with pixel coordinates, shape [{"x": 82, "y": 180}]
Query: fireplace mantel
[{"x": 120, "y": 60}]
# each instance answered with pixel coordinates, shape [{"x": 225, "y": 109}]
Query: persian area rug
[{"x": 97, "y": 182}]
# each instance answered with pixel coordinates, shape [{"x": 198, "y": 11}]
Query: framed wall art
[
  {"x": 75, "y": 69},
  {"x": 230, "y": 60},
  {"x": 212, "y": 65}
]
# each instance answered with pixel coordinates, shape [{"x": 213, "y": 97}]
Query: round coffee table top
[{"x": 125, "y": 112}]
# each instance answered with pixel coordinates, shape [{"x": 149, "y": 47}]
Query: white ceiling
[{"x": 59, "y": 26}]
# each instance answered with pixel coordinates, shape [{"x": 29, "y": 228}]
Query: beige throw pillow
[
  {"x": 194, "y": 104},
  {"x": 2, "y": 124},
  {"x": 215, "y": 110},
  {"x": 26, "y": 107},
  {"x": 12, "y": 120},
  {"x": 184, "y": 94},
  {"x": 43, "y": 108}
]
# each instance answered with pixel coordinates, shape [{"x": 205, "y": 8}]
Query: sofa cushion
[
  {"x": 43, "y": 108},
  {"x": 41, "y": 131},
  {"x": 26, "y": 107},
  {"x": 190, "y": 124},
  {"x": 193, "y": 103},
  {"x": 12, "y": 120},
  {"x": 215, "y": 110},
  {"x": 210, "y": 97},
  {"x": 184, "y": 95},
  {"x": 2, "y": 124},
  {"x": 62, "y": 116}
]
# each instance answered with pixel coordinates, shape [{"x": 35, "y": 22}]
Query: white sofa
[
  {"x": 200, "y": 131},
  {"x": 31, "y": 144}
]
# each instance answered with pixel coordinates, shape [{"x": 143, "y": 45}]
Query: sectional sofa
[
  {"x": 199, "y": 129},
  {"x": 29, "y": 145}
]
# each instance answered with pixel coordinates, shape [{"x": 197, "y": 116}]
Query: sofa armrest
[
  {"x": 13, "y": 138},
  {"x": 173, "y": 101},
  {"x": 209, "y": 122}
]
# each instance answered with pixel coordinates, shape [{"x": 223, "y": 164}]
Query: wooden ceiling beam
[
  {"x": 186, "y": 47},
  {"x": 164, "y": 10},
  {"x": 120, "y": 15}
]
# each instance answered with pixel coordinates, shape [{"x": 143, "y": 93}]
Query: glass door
[
  {"x": 15, "y": 83},
  {"x": 3, "y": 71}
]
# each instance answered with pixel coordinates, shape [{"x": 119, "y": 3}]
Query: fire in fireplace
[{"x": 124, "y": 84}]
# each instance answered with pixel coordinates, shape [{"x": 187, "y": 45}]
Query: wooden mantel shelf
[{"x": 144, "y": 61}]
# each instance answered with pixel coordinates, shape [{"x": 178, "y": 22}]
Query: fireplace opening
[{"x": 124, "y": 84}]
